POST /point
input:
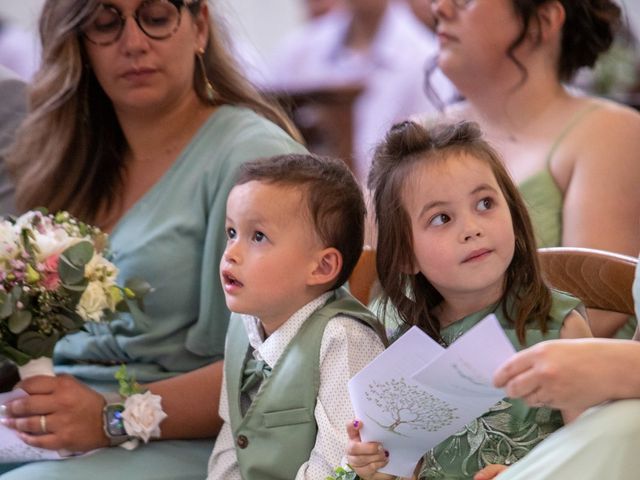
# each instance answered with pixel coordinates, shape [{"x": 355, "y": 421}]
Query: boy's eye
[
  {"x": 485, "y": 204},
  {"x": 439, "y": 219},
  {"x": 231, "y": 233},
  {"x": 259, "y": 237}
]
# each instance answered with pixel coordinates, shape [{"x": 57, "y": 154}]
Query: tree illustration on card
[{"x": 408, "y": 407}]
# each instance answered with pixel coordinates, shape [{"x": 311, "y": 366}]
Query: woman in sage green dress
[
  {"x": 455, "y": 243},
  {"x": 573, "y": 156},
  {"x": 138, "y": 120}
]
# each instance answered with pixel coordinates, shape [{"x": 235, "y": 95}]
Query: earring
[{"x": 208, "y": 88}]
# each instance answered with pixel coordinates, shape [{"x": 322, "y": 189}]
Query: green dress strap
[
  {"x": 543, "y": 196},
  {"x": 575, "y": 120}
]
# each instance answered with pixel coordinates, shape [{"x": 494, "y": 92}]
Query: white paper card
[
  {"x": 416, "y": 393},
  {"x": 12, "y": 449}
]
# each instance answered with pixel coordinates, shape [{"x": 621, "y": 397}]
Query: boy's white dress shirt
[{"x": 347, "y": 346}]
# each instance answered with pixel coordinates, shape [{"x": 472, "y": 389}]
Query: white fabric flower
[
  {"x": 142, "y": 415},
  {"x": 92, "y": 302}
]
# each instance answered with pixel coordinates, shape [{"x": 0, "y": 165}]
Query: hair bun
[{"x": 589, "y": 30}]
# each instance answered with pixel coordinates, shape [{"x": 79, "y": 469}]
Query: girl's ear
[
  {"x": 550, "y": 20},
  {"x": 328, "y": 267}
]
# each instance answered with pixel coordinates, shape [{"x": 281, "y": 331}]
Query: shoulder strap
[{"x": 575, "y": 120}]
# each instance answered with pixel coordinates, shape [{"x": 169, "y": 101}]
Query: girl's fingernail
[
  {"x": 3, "y": 411},
  {"x": 4, "y": 420},
  {"x": 386, "y": 453},
  {"x": 356, "y": 423}
]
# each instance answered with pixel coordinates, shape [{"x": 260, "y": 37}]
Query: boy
[{"x": 295, "y": 229}]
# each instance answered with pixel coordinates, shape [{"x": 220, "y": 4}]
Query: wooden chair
[
  {"x": 324, "y": 117},
  {"x": 602, "y": 280},
  {"x": 364, "y": 276}
]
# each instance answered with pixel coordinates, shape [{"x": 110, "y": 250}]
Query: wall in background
[{"x": 259, "y": 23}]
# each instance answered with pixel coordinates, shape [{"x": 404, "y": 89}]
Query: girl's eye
[
  {"x": 231, "y": 233},
  {"x": 485, "y": 204},
  {"x": 439, "y": 219},
  {"x": 259, "y": 237}
]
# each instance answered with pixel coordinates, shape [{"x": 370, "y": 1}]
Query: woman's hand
[
  {"x": 72, "y": 414},
  {"x": 489, "y": 472},
  {"x": 365, "y": 458}
]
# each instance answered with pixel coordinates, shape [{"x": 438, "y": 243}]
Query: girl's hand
[
  {"x": 73, "y": 414},
  {"x": 365, "y": 458},
  {"x": 490, "y": 471}
]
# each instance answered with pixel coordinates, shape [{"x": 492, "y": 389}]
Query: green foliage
[
  {"x": 127, "y": 383},
  {"x": 72, "y": 262},
  {"x": 343, "y": 474}
]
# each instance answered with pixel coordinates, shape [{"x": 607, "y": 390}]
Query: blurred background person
[
  {"x": 377, "y": 44},
  {"x": 19, "y": 50},
  {"x": 13, "y": 108}
]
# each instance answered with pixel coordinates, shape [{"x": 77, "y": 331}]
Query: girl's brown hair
[
  {"x": 69, "y": 152},
  {"x": 412, "y": 295}
]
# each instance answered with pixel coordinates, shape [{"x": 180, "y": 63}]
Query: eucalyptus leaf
[
  {"x": 72, "y": 262},
  {"x": 14, "y": 354},
  {"x": 138, "y": 286},
  {"x": 79, "y": 254},
  {"x": 67, "y": 324},
  {"x": 37, "y": 345},
  {"x": 6, "y": 305},
  {"x": 78, "y": 286},
  {"x": 19, "y": 321}
]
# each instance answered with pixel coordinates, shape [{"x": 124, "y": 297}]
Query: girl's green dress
[{"x": 510, "y": 429}]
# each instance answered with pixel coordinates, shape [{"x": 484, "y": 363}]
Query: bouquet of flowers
[{"x": 54, "y": 277}]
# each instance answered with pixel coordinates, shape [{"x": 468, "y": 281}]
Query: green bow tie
[{"x": 255, "y": 371}]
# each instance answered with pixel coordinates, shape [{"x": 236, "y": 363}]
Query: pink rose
[{"x": 51, "y": 279}]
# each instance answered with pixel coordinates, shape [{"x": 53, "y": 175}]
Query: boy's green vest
[{"x": 278, "y": 432}]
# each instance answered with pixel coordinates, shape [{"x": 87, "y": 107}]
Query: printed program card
[{"x": 416, "y": 393}]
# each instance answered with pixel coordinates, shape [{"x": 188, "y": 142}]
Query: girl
[
  {"x": 510, "y": 60},
  {"x": 455, "y": 243}
]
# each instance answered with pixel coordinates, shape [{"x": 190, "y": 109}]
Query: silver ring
[{"x": 43, "y": 423}]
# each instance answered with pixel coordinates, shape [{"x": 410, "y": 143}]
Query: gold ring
[{"x": 43, "y": 423}]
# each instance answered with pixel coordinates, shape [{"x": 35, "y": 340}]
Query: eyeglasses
[
  {"x": 158, "y": 19},
  {"x": 461, "y": 4}
]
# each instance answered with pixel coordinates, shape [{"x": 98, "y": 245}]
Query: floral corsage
[
  {"x": 344, "y": 473},
  {"x": 142, "y": 413}
]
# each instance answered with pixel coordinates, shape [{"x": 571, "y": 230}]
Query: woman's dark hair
[
  {"x": 406, "y": 146},
  {"x": 589, "y": 30}
]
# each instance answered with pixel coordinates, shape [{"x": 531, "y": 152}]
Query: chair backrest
[
  {"x": 324, "y": 117},
  {"x": 364, "y": 275},
  {"x": 602, "y": 280}
]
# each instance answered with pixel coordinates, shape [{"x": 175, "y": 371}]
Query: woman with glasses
[
  {"x": 573, "y": 156},
  {"x": 138, "y": 120}
]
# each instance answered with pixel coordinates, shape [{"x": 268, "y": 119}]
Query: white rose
[
  {"x": 92, "y": 302},
  {"x": 54, "y": 241},
  {"x": 8, "y": 241},
  {"x": 142, "y": 415},
  {"x": 99, "y": 269}
]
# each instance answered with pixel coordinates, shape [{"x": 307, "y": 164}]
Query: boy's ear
[{"x": 327, "y": 268}]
